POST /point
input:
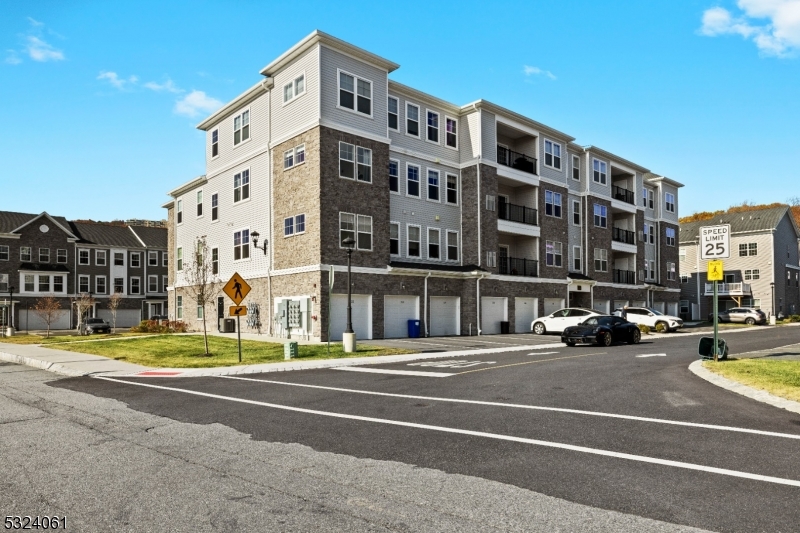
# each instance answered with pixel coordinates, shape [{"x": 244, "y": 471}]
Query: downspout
[
  {"x": 478, "y": 301},
  {"x": 478, "y": 190},
  {"x": 270, "y": 308},
  {"x": 425, "y": 306}
]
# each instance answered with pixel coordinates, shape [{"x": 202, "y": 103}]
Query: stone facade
[
  {"x": 554, "y": 229},
  {"x": 599, "y": 239}
]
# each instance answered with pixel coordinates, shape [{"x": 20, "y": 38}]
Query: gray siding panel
[
  {"x": 470, "y": 146},
  {"x": 259, "y": 134},
  {"x": 549, "y": 172},
  {"x": 420, "y": 144},
  {"x": 488, "y": 136},
  {"x": 288, "y": 118},
  {"x": 597, "y": 188}
]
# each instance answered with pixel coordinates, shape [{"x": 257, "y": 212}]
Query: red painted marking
[{"x": 158, "y": 373}]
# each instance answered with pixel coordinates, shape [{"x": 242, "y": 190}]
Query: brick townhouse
[{"x": 465, "y": 217}]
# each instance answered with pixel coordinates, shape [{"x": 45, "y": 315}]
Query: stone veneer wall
[
  {"x": 469, "y": 215},
  {"x": 554, "y": 229},
  {"x": 669, "y": 253},
  {"x": 599, "y": 238}
]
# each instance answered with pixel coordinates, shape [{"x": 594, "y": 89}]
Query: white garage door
[
  {"x": 525, "y": 310},
  {"x": 619, "y": 304},
  {"x": 125, "y": 317},
  {"x": 602, "y": 306},
  {"x": 444, "y": 313},
  {"x": 397, "y": 311},
  {"x": 493, "y": 311},
  {"x": 551, "y": 305},
  {"x": 659, "y": 306},
  {"x": 672, "y": 308},
  {"x": 29, "y": 320},
  {"x": 362, "y": 316},
  {"x": 639, "y": 303}
]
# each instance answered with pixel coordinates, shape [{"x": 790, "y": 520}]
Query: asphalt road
[{"x": 625, "y": 431}]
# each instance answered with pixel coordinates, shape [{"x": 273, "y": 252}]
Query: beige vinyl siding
[
  {"x": 595, "y": 187},
  {"x": 548, "y": 172},
  {"x": 420, "y": 145},
  {"x": 672, "y": 217},
  {"x": 259, "y": 134},
  {"x": 302, "y": 111},
  {"x": 488, "y": 136},
  {"x": 470, "y": 138}
]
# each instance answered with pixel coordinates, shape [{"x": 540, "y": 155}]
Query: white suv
[
  {"x": 652, "y": 318},
  {"x": 561, "y": 319}
]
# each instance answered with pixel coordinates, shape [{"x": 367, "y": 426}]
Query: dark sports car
[{"x": 603, "y": 330}]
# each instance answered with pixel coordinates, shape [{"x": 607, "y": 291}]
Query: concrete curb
[
  {"x": 734, "y": 386},
  {"x": 58, "y": 368}
]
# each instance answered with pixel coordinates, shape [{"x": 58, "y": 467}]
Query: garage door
[
  {"x": 672, "y": 309},
  {"x": 125, "y": 317},
  {"x": 444, "y": 314},
  {"x": 602, "y": 306},
  {"x": 525, "y": 310},
  {"x": 29, "y": 320},
  {"x": 362, "y": 316},
  {"x": 551, "y": 305},
  {"x": 397, "y": 311},
  {"x": 660, "y": 307},
  {"x": 619, "y": 304},
  {"x": 493, "y": 311},
  {"x": 639, "y": 303}
]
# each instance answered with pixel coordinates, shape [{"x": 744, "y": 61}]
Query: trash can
[
  {"x": 705, "y": 348},
  {"x": 290, "y": 350},
  {"x": 504, "y": 327},
  {"x": 229, "y": 326},
  {"x": 413, "y": 329}
]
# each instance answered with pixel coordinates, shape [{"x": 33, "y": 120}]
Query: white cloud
[
  {"x": 773, "y": 25},
  {"x": 116, "y": 81},
  {"x": 35, "y": 22},
  {"x": 39, "y": 50},
  {"x": 195, "y": 103},
  {"x": 536, "y": 71},
  {"x": 168, "y": 86}
]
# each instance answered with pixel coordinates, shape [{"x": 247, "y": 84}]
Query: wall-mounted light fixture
[{"x": 255, "y": 235}]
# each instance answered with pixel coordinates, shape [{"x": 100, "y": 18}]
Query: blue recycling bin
[{"x": 413, "y": 329}]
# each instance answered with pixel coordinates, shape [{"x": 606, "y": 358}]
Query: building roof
[
  {"x": 11, "y": 221},
  {"x": 150, "y": 236},
  {"x": 741, "y": 222},
  {"x": 106, "y": 235}
]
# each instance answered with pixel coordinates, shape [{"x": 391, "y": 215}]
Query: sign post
[
  {"x": 236, "y": 289},
  {"x": 715, "y": 244}
]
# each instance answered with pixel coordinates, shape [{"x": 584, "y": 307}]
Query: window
[
  {"x": 3, "y": 282},
  {"x": 684, "y": 307},
  {"x": 670, "y": 236},
  {"x": 294, "y": 156},
  {"x": 600, "y": 216},
  {"x": 300, "y": 154},
  {"x": 730, "y": 278},
  {"x": 682, "y": 253},
  {"x": 119, "y": 259},
  {"x": 491, "y": 259},
  {"x": 355, "y": 93},
  {"x": 552, "y": 204},
  {"x": 100, "y": 284},
  {"x": 491, "y": 200},
  {"x": 644, "y": 197},
  {"x": 200, "y": 203},
  {"x": 684, "y": 278},
  {"x": 750, "y": 248},
  {"x": 393, "y": 113},
  {"x": 83, "y": 283},
  {"x": 199, "y": 312},
  {"x": 178, "y": 259},
  {"x": 452, "y": 189},
  {"x": 294, "y": 225},
  {"x": 163, "y": 283},
  {"x": 394, "y": 176},
  {"x": 215, "y": 206},
  {"x": 136, "y": 286},
  {"x": 30, "y": 283},
  {"x": 394, "y": 238},
  {"x": 413, "y": 241},
  {"x": 650, "y": 198},
  {"x": 179, "y": 211},
  {"x": 294, "y": 88},
  {"x": 241, "y": 186},
  {"x": 58, "y": 284},
  {"x": 452, "y": 246},
  {"x": 44, "y": 255},
  {"x": 152, "y": 259},
  {"x": 651, "y": 264},
  {"x": 576, "y": 212},
  {"x": 347, "y": 168},
  {"x": 553, "y": 253},
  {"x": 433, "y": 127},
  {"x": 100, "y": 257},
  {"x": 599, "y": 171},
  {"x": 552, "y": 154},
  {"x": 412, "y": 119},
  {"x": 288, "y": 159},
  {"x": 576, "y": 258},
  {"x": 347, "y": 227},
  {"x": 241, "y": 244},
  {"x": 576, "y": 168},
  {"x": 451, "y": 132},
  {"x": 364, "y": 164},
  {"x": 358, "y": 227},
  {"x": 412, "y": 180},
  {"x": 119, "y": 285},
  {"x": 433, "y": 185},
  {"x": 25, "y": 254},
  {"x": 152, "y": 283},
  {"x": 600, "y": 260},
  {"x": 364, "y": 239},
  {"x": 433, "y": 243},
  {"x": 215, "y": 260},
  {"x": 753, "y": 274},
  {"x": 179, "y": 306},
  {"x": 44, "y": 284},
  {"x": 214, "y": 143},
  {"x": 136, "y": 260},
  {"x": 651, "y": 234},
  {"x": 241, "y": 127},
  {"x": 4, "y": 253},
  {"x": 670, "y": 202}
]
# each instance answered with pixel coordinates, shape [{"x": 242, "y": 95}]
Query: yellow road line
[{"x": 531, "y": 362}]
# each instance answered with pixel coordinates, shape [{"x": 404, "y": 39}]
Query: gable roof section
[
  {"x": 741, "y": 222},
  {"x": 151, "y": 237},
  {"x": 106, "y": 235},
  {"x": 11, "y": 222}
]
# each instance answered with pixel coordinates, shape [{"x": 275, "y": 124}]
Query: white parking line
[
  {"x": 652, "y": 355},
  {"x": 398, "y": 372},
  {"x": 542, "y": 353},
  {"x": 509, "y": 438}
]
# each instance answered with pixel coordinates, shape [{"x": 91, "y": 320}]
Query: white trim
[
  {"x": 438, "y": 127},
  {"x": 579, "y": 256},
  {"x": 243, "y": 246},
  {"x": 214, "y": 220},
  {"x": 572, "y": 213},
  {"x": 212, "y": 143},
  {"x": 130, "y": 285},
  {"x": 408, "y": 241},
  {"x": 419, "y": 168},
  {"x": 446, "y": 118},
  {"x": 397, "y": 162},
  {"x": 233, "y": 195},
  {"x": 607, "y": 181},
  {"x": 428, "y": 243},
  {"x": 573, "y": 158},
  {"x": 430, "y": 158},
  {"x": 447, "y": 245},
  {"x": 355, "y": 110},
  {"x": 458, "y": 189},
  {"x": 396, "y": 99},
  {"x": 100, "y": 253},
  {"x": 405, "y": 130},
  {"x": 399, "y": 238},
  {"x": 233, "y": 129},
  {"x": 353, "y": 131},
  {"x": 553, "y": 143},
  {"x": 293, "y": 83},
  {"x": 427, "y": 184},
  {"x": 199, "y": 193}
]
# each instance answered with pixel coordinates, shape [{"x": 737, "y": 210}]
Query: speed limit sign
[{"x": 715, "y": 242}]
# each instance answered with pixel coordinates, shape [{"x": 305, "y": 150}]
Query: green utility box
[{"x": 290, "y": 350}]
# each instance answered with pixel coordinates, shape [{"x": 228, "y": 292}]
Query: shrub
[
  {"x": 794, "y": 318},
  {"x": 644, "y": 329},
  {"x": 156, "y": 326}
]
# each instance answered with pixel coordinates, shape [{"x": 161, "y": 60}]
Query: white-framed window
[
  {"x": 83, "y": 283},
  {"x": 553, "y": 253},
  {"x": 152, "y": 258},
  {"x": 414, "y": 241},
  {"x": 29, "y": 283},
  {"x": 671, "y": 271},
  {"x": 364, "y": 170},
  {"x": 670, "y": 236},
  {"x": 136, "y": 260},
  {"x": 684, "y": 305},
  {"x": 364, "y": 238},
  {"x": 752, "y": 274},
  {"x": 432, "y": 130},
  {"x": 288, "y": 158},
  {"x": 179, "y": 307},
  {"x": 241, "y": 244},
  {"x": 652, "y": 234},
  {"x": 434, "y": 242},
  {"x": 599, "y": 171},
  {"x": 100, "y": 257},
  {"x": 136, "y": 285},
  {"x": 552, "y": 154},
  {"x": 451, "y": 132},
  {"x": 199, "y": 203},
  {"x": 412, "y": 119},
  {"x": 491, "y": 201},
  {"x": 357, "y": 227},
  {"x": 152, "y": 283},
  {"x": 600, "y": 216},
  {"x": 294, "y": 225},
  {"x": 26, "y": 253},
  {"x": 644, "y": 197},
  {"x": 412, "y": 180},
  {"x": 241, "y": 186},
  {"x": 215, "y": 261},
  {"x": 44, "y": 283},
  {"x": 83, "y": 256},
  {"x": 347, "y": 227},
  {"x": 119, "y": 285},
  {"x": 394, "y": 176},
  {"x": 682, "y": 253},
  {"x": 61, "y": 255},
  {"x": 748, "y": 248},
  {"x": 552, "y": 204},
  {"x": 491, "y": 259},
  {"x": 576, "y": 168},
  {"x": 3, "y": 282},
  {"x": 178, "y": 259},
  {"x": 685, "y": 278},
  {"x": 5, "y": 253},
  {"x": 295, "y": 88},
  {"x": 393, "y": 106},
  {"x": 645, "y": 231},
  {"x": 100, "y": 285},
  {"x": 355, "y": 94},
  {"x": 651, "y": 195},
  {"x": 347, "y": 161},
  {"x": 241, "y": 127},
  {"x": 576, "y": 212},
  {"x": 119, "y": 259},
  {"x": 452, "y": 245},
  {"x": 394, "y": 238},
  {"x": 58, "y": 284},
  {"x": 452, "y": 189},
  {"x": 651, "y": 264},
  {"x": 44, "y": 255},
  {"x": 215, "y": 206},
  {"x": 576, "y": 258},
  {"x": 600, "y": 260},
  {"x": 433, "y": 185},
  {"x": 214, "y": 143},
  {"x": 199, "y": 312},
  {"x": 179, "y": 211},
  {"x": 669, "y": 202},
  {"x": 294, "y": 156}
]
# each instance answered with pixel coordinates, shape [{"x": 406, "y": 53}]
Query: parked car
[
  {"x": 561, "y": 319},
  {"x": 652, "y": 318},
  {"x": 96, "y": 325},
  {"x": 741, "y": 315},
  {"x": 603, "y": 330}
]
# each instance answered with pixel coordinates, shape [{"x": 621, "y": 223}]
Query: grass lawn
[
  {"x": 55, "y": 339},
  {"x": 781, "y": 378},
  {"x": 187, "y": 351}
]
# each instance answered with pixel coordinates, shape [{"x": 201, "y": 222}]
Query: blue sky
[{"x": 100, "y": 99}]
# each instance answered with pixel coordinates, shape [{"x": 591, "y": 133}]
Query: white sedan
[{"x": 561, "y": 319}]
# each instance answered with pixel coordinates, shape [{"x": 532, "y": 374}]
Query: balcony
[
  {"x": 623, "y": 235},
  {"x": 729, "y": 289},
  {"x": 625, "y": 276},
  {"x": 516, "y": 160},
  {"x": 518, "y": 213},
  {"x": 624, "y": 195},
  {"x": 515, "y": 266}
]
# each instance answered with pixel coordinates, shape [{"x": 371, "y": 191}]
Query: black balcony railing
[
  {"x": 516, "y": 160},
  {"x": 625, "y": 276},
  {"x": 517, "y": 213},
  {"x": 515, "y": 266},
  {"x": 623, "y": 235},
  {"x": 623, "y": 194}
]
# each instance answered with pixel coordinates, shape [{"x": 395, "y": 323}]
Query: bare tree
[
  {"x": 113, "y": 305},
  {"x": 83, "y": 303},
  {"x": 202, "y": 285},
  {"x": 47, "y": 309}
]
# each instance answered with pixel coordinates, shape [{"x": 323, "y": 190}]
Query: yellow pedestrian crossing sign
[
  {"x": 715, "y": 271},
  {"x": 236, "y": 288},
  {"x": 237, "y": 310}
]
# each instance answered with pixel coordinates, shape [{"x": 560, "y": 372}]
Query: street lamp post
[
  {"x": 349, "y": 336},
  {"x": 11, "y": 308},
  {"x": 772, "y": 290}
]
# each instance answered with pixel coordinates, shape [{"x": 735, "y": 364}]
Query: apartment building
[
  {"x": 763, "y": 270},
  {"x": 42, "y": 255},
  {"x": 465, "y": 217}
]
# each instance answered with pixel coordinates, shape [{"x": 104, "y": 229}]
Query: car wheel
[
  {"x": 605, "y": 339},
  {"x": 569, "y": 343},
  {"x": 750, "y": 321},
  {"x": 662, "y": 326},
  {"x": 636, "y": 336},
  {"x": 539, "y": 328}
]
